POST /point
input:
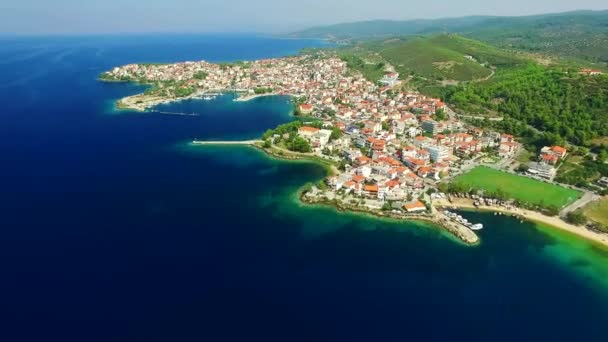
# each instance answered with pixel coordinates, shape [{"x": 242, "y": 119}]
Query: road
[{"x": 587, "y": 198}]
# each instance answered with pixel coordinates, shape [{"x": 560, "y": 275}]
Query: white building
[
  {"x": 438, "y": 153},
  {"x": 542, "y": 170},
  {"x": 390, "y": 79}
]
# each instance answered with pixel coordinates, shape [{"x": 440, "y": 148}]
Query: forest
[{"x": 561, "y": 103}]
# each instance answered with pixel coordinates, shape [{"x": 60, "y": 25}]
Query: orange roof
[
  {"x": 418, "y": 162},
  {"x": 393, "y": 184},
  {"x": 349, "y": 184},
  {"x": 393, "y": 162},
  {"x": 358, "y": 178},
  {"x": 308, "y": 129},
  {"x": 363, "y": 160},
  {"x": 371, "y": 188},
  {"x": 416, "y": 205},
  {"x": 549, "y": 157},
  {"x": 558, "y": 149}
]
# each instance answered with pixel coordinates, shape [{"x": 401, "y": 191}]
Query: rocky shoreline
[{"x": 461, "y": 232}]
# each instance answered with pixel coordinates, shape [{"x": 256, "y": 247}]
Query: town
[{"x": 391, "y": 149}]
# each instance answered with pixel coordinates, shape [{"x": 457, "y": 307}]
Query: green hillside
[
  {"x": 580, "y": 34},
  {"x": 556, "y": 101},
  {"x": 441, "y": 57}
]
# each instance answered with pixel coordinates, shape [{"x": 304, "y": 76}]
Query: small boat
[{"x": 477, "y": 226}]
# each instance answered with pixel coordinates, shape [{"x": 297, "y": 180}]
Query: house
[
  {"x": 306, "y": 108},
  {"x": 307, "y": 131},
  {"x": 414, "y": 207},
  {"x": 320, "y": 138},
  {"x": 507, "y": 149},
  {"x": 590, "y": 72},
  {"x": 506, "y": 138},
  {"x": 391, "y": 79},
  {"x": 371, "y": 190},
  {"x": 557, "y": 151}
]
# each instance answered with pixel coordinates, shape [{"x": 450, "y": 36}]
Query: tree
[
  {"x": 342, "y": 166},
  {"x": 385, "y": 126},
  {"x": 576, "y": 218},
  {"x": 523, "y": 168},
  {"x": 201, "y": 75},
  {"x": 322, "y": 185},
  {"x": 440, "y": 115},
  {"x": 299, "y": 144},
  {"x": 336, "y": 133}
]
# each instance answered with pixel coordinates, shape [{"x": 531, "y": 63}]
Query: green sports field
[{"x": 518, "y": 187}]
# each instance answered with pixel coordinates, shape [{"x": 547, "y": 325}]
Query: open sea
[{"x": 114, "y": 228}]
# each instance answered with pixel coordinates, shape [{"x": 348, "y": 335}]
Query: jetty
[
  {"x": 179, "y": 114},
  {"x": 226, "y": 142}
]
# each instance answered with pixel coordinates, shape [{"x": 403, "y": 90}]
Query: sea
[{"x": 114, "y": 227}]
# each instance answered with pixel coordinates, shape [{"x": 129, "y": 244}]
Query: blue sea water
[{"x": 114, "y": 228}]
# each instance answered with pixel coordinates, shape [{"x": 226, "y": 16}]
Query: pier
[
  {"x": 180, "y": 114},
  {"x": 226, "y": 142}
]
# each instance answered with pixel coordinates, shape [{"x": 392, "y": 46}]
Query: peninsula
[{"x": 393, "y": 152}]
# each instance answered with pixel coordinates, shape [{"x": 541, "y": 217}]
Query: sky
[{"x": 270, "y": 16}]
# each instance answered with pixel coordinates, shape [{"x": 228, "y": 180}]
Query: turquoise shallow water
[{"x": 113, "y": 228}]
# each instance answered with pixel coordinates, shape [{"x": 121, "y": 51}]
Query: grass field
[
  {"x": 598, "y": 211},
  {"x": 518, "y": 187}
]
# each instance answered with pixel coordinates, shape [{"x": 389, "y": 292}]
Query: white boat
[{"x": 477, "y": 226}]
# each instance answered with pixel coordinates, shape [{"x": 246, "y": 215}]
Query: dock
[{"x": 226, "y": 142}]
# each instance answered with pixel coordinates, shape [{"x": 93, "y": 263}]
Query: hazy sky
[{"x": 116, "y": 16}]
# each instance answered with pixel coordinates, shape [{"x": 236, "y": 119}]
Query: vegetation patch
[{"x": 598, "y": 211}]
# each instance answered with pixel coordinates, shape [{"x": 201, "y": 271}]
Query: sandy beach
[{"x": 553, "y": 221}]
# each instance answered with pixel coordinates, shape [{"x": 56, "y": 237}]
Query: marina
[{"x": 461, "y": 220}]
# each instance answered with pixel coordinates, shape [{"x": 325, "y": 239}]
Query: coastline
[
  {"x": 462, "y": 233},
  {"x": 142, "y": 102},
  {"x": 555, "y": 222}
]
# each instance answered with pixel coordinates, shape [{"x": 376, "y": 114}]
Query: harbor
[{"x": 461, "y": 220}]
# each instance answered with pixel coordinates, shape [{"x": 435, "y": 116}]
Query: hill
[
  {"x": 557, "y": 101},
  {"x": 438, "y": 57},
  {"x": 581, "y": 34}
]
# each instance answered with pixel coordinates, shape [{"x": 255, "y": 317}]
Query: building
[
  {"x": 306, "y": 108},
  {"x": 590, "y": 72},
  {"x": 415, "y": 207},
  {"x": 556, "y": 151},
  {"x": 542, "y": 170},
  {"x": 438, "y": 153},
  {"x": 390, "y": 79},
  {"x": 307, "y": 131},
  {"x": 320, "y": 138}
]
